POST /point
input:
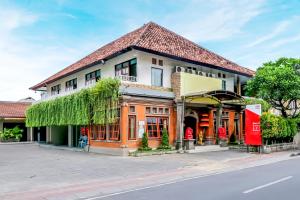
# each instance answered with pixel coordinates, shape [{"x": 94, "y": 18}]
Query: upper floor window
[
  {"x": 160, "y": 62},
  {"x": 223, "y": 85},
  {"x": 156, "y": 77},
  {"x": 92, "y": 77},
  {"x": 127, "y": 68},
  {"x": 71, "y": 84},
  {"x": 55, "y": 89}
]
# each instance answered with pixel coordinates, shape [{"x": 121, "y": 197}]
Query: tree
[
  {"x": 278, "y": 84},
  {"x": 164, "y": 140},
  {"x": 144, "y": 144}
]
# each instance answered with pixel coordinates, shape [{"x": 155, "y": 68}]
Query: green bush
[
  {"x": 164, "y": 140},
  {"x": 145, "y": 145},
  {"x": 11, "y": 133},
  {"x": 277, "y": 129}
]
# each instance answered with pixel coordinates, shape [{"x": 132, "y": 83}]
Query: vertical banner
[{"x": 252, "y": 125}]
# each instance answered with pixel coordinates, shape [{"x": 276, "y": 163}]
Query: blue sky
[{"x": 38, "y": 38}]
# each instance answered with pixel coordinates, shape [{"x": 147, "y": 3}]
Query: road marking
[
  {"x": 268, "y": 184},
  {"x": 152, "y": 186}
]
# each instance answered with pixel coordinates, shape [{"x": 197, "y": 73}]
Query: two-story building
[{"x": 167, "y": 82}]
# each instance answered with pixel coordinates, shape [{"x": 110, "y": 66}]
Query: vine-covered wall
[{"x": 96, "y": 105}]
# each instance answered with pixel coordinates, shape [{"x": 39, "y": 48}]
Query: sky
[{"x": 39, "y": 38}]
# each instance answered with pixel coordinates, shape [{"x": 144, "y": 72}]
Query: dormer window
[
  {"x": 71, "y": 84},
  {"x": 92, "y": 77},
  {"x": 55, "y": 89}
]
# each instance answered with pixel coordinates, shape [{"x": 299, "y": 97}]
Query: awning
[{"x": 214, "y": 98}]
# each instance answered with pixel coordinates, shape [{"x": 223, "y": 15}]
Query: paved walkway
[{"x": 31, "y": 172}]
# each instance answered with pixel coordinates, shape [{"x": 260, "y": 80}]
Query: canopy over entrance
[{"x": 215, "y": 97}]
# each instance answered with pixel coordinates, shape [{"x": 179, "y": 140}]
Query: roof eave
[{"x": 190, "y": 61}]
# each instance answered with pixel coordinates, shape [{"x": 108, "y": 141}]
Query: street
[
  {"x": 275, "y": 181},
  {"x": 32, "y": 172}
]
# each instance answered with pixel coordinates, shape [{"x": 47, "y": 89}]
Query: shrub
[
  {"x": 277, "y": 129},
  {"x": 12, "y": 133},
  {"x": 145, "y": 145},
  {"x": 164, "y": 140}
]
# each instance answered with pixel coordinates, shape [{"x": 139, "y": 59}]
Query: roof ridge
[
  {"x": 142, "y": 33},
  {"x": 198, "y": 45}
]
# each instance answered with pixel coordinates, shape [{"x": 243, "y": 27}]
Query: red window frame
[
  {"x": 114, "y": 131},
  {"x": 157, "y": 124},
  {"x": 131, "y": 117},
  {"x": 101, "y": 132}
]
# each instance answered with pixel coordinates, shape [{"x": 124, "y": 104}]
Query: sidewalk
[{"x": 95, "y": 175}]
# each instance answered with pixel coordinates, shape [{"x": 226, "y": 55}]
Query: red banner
[{"x": 253, "y": 133}]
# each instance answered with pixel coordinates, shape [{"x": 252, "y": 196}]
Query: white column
[
  {"x": 29, "y": 134},
  {"x": 179, "y": 125},
  {"x": 48, "y": 134},
  {"x": 70, "y": 133},
  {"x": 1, "y": 125}
]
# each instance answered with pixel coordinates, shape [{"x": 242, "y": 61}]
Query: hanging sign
[{"x": 252, "y": 125}]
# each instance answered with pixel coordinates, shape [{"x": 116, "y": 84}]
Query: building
[
  {"x": 167, "y": 82},
  {"x": 12, "y": 113}
]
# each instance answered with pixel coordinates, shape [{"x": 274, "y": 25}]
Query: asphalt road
[{"x": 275, "y": 181}]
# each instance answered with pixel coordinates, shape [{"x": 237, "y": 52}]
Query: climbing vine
[{"x": 97, "y": 105}]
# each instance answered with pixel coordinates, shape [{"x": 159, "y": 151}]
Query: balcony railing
[{"x": 127, "y": 78}]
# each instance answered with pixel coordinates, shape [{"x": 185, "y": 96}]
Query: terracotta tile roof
[
  {"x": 9, "y": 109},
  {"x": 154, "y": 38}
]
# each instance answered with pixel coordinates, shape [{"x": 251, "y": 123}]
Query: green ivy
[{"x": 97, "y": 105}]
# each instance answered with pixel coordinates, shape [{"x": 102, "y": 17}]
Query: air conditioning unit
[
  {"x": 179, "y": 69},
  {"x": 213, "y": 75},
  {"x": 209, "y": 74}
]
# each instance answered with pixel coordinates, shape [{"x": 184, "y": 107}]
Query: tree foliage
[
  {"x": 144, "y": 144},
  {"x": 164, "y": 140},
  {"x": 277, "y": 129},
  {"x": 11, "y": 133},
  {"x": 265, "y": 106},
  {"x": 97, "y": 105},
  {"x": 278, "y": 84}
]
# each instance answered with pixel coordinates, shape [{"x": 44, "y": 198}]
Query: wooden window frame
[
  {"x": 157, "y": 126},
  {"x": 129, "y": 127},
  {"x": 114, "y": 131}
]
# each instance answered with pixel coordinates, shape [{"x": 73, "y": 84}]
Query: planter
[
  {"x": 10, "y": 140},
  {"x": 189, "y": 144}
]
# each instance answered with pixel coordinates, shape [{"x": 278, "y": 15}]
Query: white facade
[{"x": 143, "y": 70}]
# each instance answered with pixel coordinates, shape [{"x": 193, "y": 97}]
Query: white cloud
[
  {"x": 218, "y": 20},
  {"x": 281, "y": 27},
  {"x": 286, "y": 40},
  {"x": 24, "y": 62}
]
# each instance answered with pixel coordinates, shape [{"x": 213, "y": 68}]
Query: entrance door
[{"x": 191, "y": 122}]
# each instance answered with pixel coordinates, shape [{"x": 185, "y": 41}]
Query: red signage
[{"x": 253, "y": 133}]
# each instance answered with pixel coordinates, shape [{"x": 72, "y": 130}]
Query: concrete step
[{"x": 208, "y": 148}]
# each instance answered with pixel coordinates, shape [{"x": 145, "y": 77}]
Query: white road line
[
  {"x": 268, "y": 184},
  {"x": 152, "y": 186}
]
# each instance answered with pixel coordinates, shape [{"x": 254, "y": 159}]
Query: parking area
[{"x": 28, "y": 167}]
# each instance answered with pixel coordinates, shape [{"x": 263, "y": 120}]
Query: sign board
[
  {"x": 252, "y": 125},
  {"x": 141, "y": 129}
]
